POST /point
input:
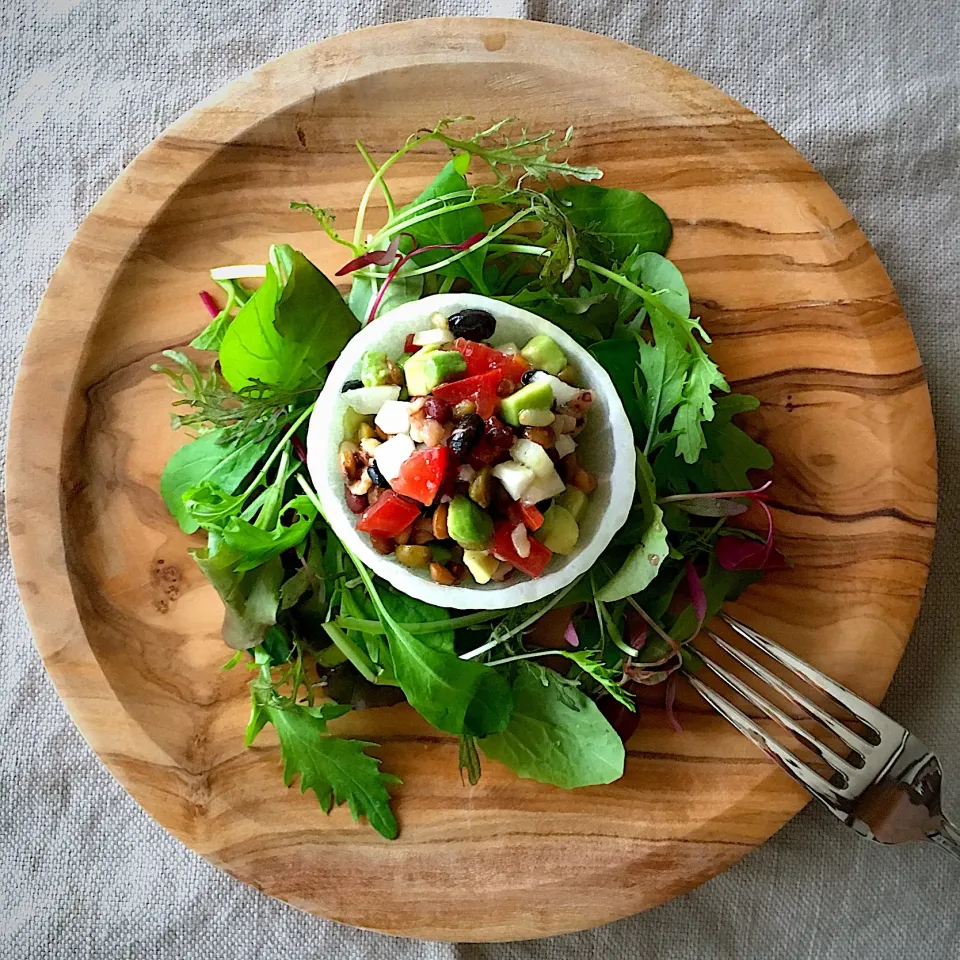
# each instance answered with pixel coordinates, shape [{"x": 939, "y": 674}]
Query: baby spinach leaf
[
  {"x": 365, "y": 287},
  {"x": 719, "y": 585},
  {"x": 627, "y": 219},
  {"x": 642, "y": 564},
  {"x": 206, "y": 461},
  {"x": 453, "y": 226},
  {"x": 406, "y": 609},
  {"x": 556, "y": 734},
  {"x": 258, "y": 545},
  {"x": 663, "y": 277},
  {"x": 336, "y": 770},
  {"x": 457, "y": 696},
  {"x": 289, "y": 329},
  {"x": 621, "y": 359}
]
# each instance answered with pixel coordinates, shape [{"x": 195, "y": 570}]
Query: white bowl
[{"x": 605, "y": 448}]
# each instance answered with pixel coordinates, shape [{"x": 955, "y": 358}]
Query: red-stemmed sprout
[
  {"x": 401, "y": 259},
  {"x": 669, "y": 696},
  {"x": 697, "y": 596},
  {"x": 209, "y": 303},
  {"x": 379, "y": 258}
]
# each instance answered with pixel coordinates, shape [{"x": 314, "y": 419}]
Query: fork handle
[{"x": 947, "y": 837}]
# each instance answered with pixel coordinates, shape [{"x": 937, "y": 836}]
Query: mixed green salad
[{"x": 548, "y": 688}]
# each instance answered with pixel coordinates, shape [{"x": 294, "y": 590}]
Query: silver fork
[{"x": 887, "y": 788}]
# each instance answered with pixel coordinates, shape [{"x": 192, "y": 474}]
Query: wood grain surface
[{"x": 801, "y": 313}]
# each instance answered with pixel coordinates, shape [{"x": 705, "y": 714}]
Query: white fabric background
[{"x": 867, "y": 89}]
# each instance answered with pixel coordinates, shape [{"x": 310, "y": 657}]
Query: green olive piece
[{"x": 414, "y": 556}]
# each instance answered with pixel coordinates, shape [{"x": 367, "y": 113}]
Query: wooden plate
[{"x": 802, "y": 315}]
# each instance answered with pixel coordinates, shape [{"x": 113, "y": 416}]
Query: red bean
[
  {"x": 357, "y": 504},
  {"x": 436, "y": 409},
  {"x": 498, "y": 434}
]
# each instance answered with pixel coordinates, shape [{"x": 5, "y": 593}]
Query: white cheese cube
[
  {"x": 515, "y": 477},
  {"x": 562, "y": 392},
  {"x": 532, "y": 456},
  {"x": 544, "y": 488},
  {"x": 394, "y": 417},
  {"x": 565, "y": 445},
  {"x": 390, "y": 455}
]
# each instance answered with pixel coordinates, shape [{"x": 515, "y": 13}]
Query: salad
[
  {"x": 548, "y": 688},
  {"x": 460, "y": 458}
]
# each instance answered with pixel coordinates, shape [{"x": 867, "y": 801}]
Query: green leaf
[
  {"x": 663, "y": 277},
  {"x": 556, "y": 734},
  {"x": 719, "y": 585},
  {"x": 457, "y": 696},
  {"x": 365, "y": 286},
  {"x": 257, "y": 545},
  {"x": 336, "y": 770},
  {"x": 250, "y": 599},
  {"x": 664, "y": 365},
  {"x": 621, "y": 359},
  {"x": 205, "y": 461},
  {"x": 627, "y": 219},
  {"x": 468, "y": 760},
  {"x": 212, "y": 336},
  {"x": 641, "y": 566},
  {"x": 453, "y": 226},
  {"x": 697, "y": 405},
  {"x": 287, "y": 332},
  {"x": 406, "y": 609},
  {"x": 590, "y": 663}
]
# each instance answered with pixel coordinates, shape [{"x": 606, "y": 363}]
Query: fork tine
[
  {"x": 863, "y": 711},
  {"x": 785, "y": 721},
  {"x": 769, "y": 745},
  {"x": 851, "y": 739}
]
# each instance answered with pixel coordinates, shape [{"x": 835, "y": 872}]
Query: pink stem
[{"x": 209, "y": 303}]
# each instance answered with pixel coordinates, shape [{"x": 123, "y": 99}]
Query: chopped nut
[
  {"x": 569, "y": 374},
  {"x": 440, "y": 574},
  {"x": 404, "y": 535},
  {"x": 579, "y": 405},
  {"x": 439, "y": 522},
  {"x": 503, "y": 571},
  {"x": 394, "y": 375},
  {"x": 361, "y": 486},
  {"x": 584, "y": 480},
  {"x": 374, "y": 495},
  {"x": 426, "y": 431},
  {"x": 369, "y": 445},
  {"x": 366, "y": 431},
  {"x": 422, "y": 530},
  {"x": 410, "y": 556},
  {"x": 542, "y": 435},
  {"x": 564, "y": 423},
  {"x": 382, "y": 545},
  {"x": 381, "y": 434},
  {"x": 350, "y": 465},
  {"x": 481, "y": 487}
]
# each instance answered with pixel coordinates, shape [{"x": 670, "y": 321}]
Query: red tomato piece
[
  {"x": 481, "y": 389},
  {"x": 480, "y": 359},
  {"x": 421, "y": 474},
  {"x": 504, "y": 549},
  {"x": 525, "y": 513},
  {"x": 388, "y": 515},
  {"x": 409, "y": 346}
]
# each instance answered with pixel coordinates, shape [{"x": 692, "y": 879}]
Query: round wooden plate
[{"x": 802, "y": 315}]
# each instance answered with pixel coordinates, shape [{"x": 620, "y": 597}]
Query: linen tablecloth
[{"x": 868, "y": 90}]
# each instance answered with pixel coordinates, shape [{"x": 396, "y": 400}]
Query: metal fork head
[{"x": 887, "y": 787}]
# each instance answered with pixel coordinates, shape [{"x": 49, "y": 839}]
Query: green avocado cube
[
  {"x": 373, "y": 369},
  {"x": 559, "y": 532},
  {"x": 542, "y": 353},
  {"x": 467, "y": 523},
  {"x": 574, "y": 501},
  {"x": 534, "y": 396},
  {"x": 441, "y": 365},
  {"x": 415, "y": 373}
]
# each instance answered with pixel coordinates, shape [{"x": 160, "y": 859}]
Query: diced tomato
[
  {"x": 525, "y": 513},
  {"x": 388, "y": 515},
  {"x": 421, "y": 474},
  {"x": 504, "y": 549},
  {"x": 480, "y": 359},
  {"x": 481, "y": 389},
  {"x": 409, "y": 346}
]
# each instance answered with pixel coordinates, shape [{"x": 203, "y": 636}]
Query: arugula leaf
[
  {"x": 627, "y": 219},
  {"x": 556, "y": 734},
  {"x": 729, "y": 453},
  {"x": 258, "y": 545},
  {"x": 250, "y": 599},
  {"x": 454, "y": 226},
  {"x": 697, "y": 404},
  {"x": 287, "y": 332},
  {"x": 664, "y": 366},
  {"x": 205, "y": 461},
  {"x": 457, "y": 696},
  {"x": 336, "y": 770},
  {"x": 590, "y": 663},
  {"x": 641, "y": 566}
]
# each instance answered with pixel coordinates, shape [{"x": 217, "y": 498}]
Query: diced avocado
[
  {"x": 481, "y": 565},
  {"x": 442, "y": 365},
  {"x": 467, "y": 523},
  {"x": 534, "y": 396},
  {"x": 542, "y": 353},
  {"x": 574, "y": 501},
  {"x": 415, "y": 374},
  {"x": 374, "y": 371},
  {"x": 401, "y": 361},
  {"x": 559, "y": 531}
]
